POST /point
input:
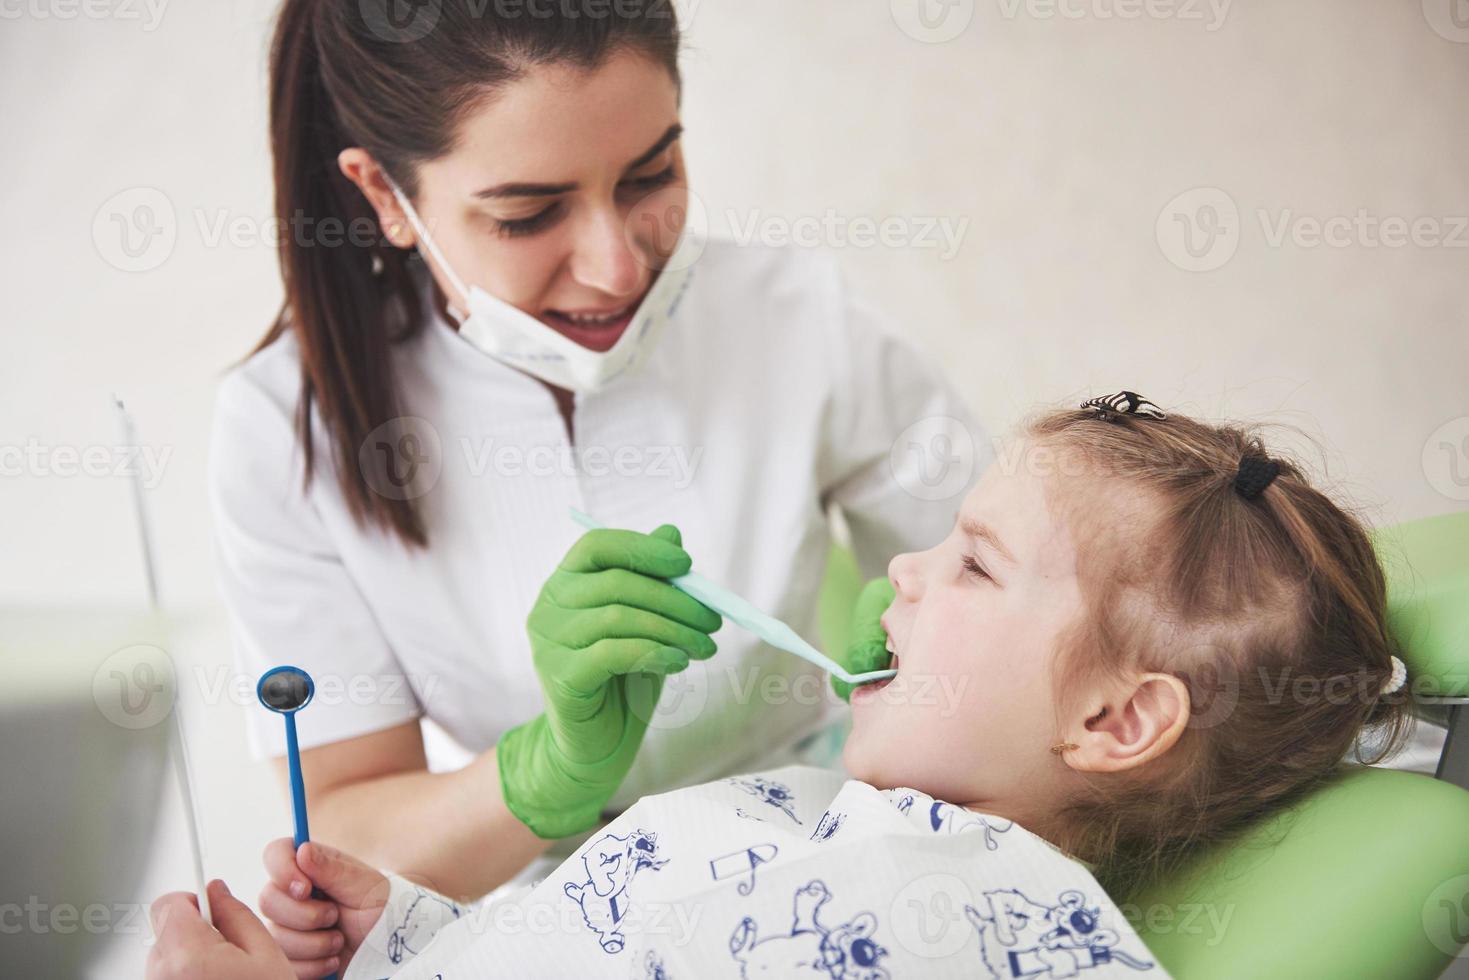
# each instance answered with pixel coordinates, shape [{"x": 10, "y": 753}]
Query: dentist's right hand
[{"x": 606, "y": 630}]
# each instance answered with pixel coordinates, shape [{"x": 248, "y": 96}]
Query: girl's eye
[
  {"x": 516, "y": 227},
  {"x": 973, "y": 567},
  {"x": 651, "y": 182}
]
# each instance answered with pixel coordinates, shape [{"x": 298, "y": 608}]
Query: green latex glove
[
  {"x": 605, "y": 631},
  {"x": 868, "y": 648}
]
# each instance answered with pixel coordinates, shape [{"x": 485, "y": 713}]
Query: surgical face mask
[{"x": 521, "y": 341}]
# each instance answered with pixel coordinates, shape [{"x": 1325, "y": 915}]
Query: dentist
[{"x": 495, "y": 309}]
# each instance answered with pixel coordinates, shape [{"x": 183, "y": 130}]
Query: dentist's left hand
[
  {"x": 236, "y": 947},
  {"x": 606, "y": 630}
]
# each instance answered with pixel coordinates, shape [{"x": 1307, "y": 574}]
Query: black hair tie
[{"x": 1255, "y": 474}]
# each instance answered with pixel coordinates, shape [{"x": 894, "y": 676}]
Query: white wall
[{"x": 1058, "y": 140}]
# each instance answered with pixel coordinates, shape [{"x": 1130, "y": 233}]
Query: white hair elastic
[{"x": 1399, "y": 677}]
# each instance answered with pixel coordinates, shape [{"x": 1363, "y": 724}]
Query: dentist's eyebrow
[
  {"x": 985, "y": 533},
  {"x": 502, "y": 191}
]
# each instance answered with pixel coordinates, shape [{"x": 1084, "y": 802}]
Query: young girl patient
[{"x": 1096, "y": 676}]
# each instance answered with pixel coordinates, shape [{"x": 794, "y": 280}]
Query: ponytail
[{"x": 344, "y": 314}]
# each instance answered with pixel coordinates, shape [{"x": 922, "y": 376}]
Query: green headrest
[{"x": 1427, "y": 565}]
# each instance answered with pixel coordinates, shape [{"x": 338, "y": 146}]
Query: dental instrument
[
  {"x": 286, "y": 690},
  {"x": 743, "y": 614}
]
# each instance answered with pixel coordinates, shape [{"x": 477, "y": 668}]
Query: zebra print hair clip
[{"x": 1123, "y": 403}]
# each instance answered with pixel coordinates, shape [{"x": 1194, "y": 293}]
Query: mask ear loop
[{"x": 426, "y": 240}]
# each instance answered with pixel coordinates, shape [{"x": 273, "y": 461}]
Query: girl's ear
[{"x": 1140, "y": 722}]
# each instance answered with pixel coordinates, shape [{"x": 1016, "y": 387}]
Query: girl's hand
[
  {"x": 236, "y": 947},
  {"x": 319, "y": 935}
]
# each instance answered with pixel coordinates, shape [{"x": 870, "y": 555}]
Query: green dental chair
[{"x": 1369, "y": 877}]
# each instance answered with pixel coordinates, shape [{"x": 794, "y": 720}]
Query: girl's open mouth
[{"x": 864, "y": 692}]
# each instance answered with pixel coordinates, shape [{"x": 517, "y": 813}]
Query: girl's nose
[{"x": 906, "y": 576}]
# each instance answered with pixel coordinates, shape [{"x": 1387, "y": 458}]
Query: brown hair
[
  {"x": 355, "y": 73},
  {"x": 1272, "y": 610}
]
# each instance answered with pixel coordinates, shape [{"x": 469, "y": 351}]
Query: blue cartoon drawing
[
  {"x": 776, "y": 794},
  {"x": 610, "y": 863},
  {"x": 846, "y": 952},
  {"x": 828, "y": 826},
  {"x": 740, "y": 812},
  {"x": 742, "y": 864},
  {"x": 948, "y": 818},
  {"x": 412, "y": 933},
  {"x": 1021, "y": 938}
]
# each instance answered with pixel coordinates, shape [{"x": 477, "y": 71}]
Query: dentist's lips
[{"x": 595, "y": 330}]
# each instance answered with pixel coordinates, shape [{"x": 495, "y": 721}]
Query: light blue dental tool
[{"x": 763, "y": 625}]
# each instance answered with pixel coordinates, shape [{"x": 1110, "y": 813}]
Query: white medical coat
[{"x": 770, "y": 396}]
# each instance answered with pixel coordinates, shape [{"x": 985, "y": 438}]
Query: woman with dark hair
[{"x": 494, "y": 311}]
